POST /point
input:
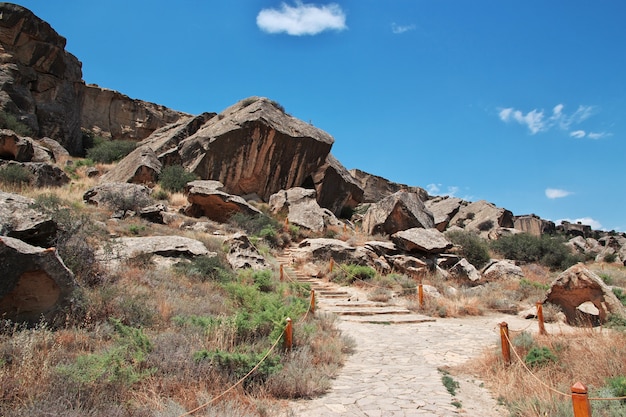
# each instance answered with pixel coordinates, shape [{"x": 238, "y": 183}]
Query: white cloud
[
  {"x": 597, "y": 135},
  {"x": 588, "y": 221},
  {"x": 435, "y": 189},
  {"x": 398, "y": 29},
  {"x": 553, "y": 193},
  {"x": 578, "y": 134},
  {"x": 302, "y": 19}
]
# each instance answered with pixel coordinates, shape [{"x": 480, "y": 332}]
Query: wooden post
[
  {"x": 580, "y": 400},
  {"x": 288, "y": 335},
  {"x": 542, "y": 327},
  {"x": 282, "y": 273},
  {"x": 420, "y": 292},
  {"x": 332, "y": 265},
  {"x": 504, "y": 340},
  {"x": 312, "y": 308},
  {"x": 345, "y": 228}
]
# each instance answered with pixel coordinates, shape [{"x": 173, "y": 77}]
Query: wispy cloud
[
  {"x": 399, "y": 29},
  {"x": 588, "y": 221},
  {"x": 302, "y": 19},
  {"x": 435, "y": 189},
  {"x": 553, "y": 193},
  {"x": 541, "y": 121}
]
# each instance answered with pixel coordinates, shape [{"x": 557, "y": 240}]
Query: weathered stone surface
[
  {"x": 39, "y": 80},
  {"x": 533, "y": 225},
  {"x": 153, "y": 213},
  {"x": 45, "y": 175},
  {"x": 119, "y": 196},
  {"x": 34, "y": 282},
  {"x": 58, "y": 151},
  {"x": 381, "y": 247},
  {"x": 611, "y": 245},
  {"x": 430, "y": 241},
  {"x": 482, "y": 217},
  {"x": 400, "y": 211},
  {"x": 252, "y": 147},
  {"x": 588, "y": 246},
  {"x": 466, "y": 271},
  {"x": 242, "y": 254},
  {"x": 409, "y": 265},
  {"x": 443, "y": 210},
  {"x": 19, "y": 220},
  {"x": 502, "y": 269},
  {"x": 324, "y": 249},
  {"x": 141, "y": 166},
  {"x": 111, "y": 114},
  {"x": 14, "y": 147},
  {"x": 301, "y": 208},
  {"x": 125, "y": 248},
  {"x": 376, "y": 188},
  {"x": 578, "y": 285},
  {"x": 206, "y": 198},
  {"x": 336, "y": 188}
]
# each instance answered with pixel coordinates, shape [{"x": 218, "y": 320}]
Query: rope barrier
[{"x": 236, "y": 384}]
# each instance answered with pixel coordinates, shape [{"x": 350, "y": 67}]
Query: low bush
[
  {"x": 111, "y": 151},
  {"x": 174, "y": 178},
  {"x": 546, "y": 250},
  {"x": 472, "y": 247},
  {"x": 207, "y": 268},
  {"x": 14, "y": 175},
  {"x": 10, "y": 121},
  {"x": 347, "y": 274},
  {"x": 539, "y": 356}
]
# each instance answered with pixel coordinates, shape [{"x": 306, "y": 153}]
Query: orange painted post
[
  {"x": 580, "y": 400},
  {"x": 345, "y": 228},
  {"x": 420, "y": 292},
  {"x": 312, "y": 309},
  {"x": 288, "y": 335},
  {"x": 542, "y": 327},
  {"x": 332, "y": 264},
  {"x": 282, "y": 273},
  {"x": 504, "y": 340}
]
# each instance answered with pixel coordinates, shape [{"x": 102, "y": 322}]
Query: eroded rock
[
  {"x": 416, "y": 239},
  {"x": 242, "y": 254},
  {"x": 20, "y": 220},
  {"x": 302, "y": 209},
  {"x": 206, "y": 198},
  {"x": 400, "y": 211}
]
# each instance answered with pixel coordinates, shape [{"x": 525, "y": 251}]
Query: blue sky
[{"x": 522, "y": 104}]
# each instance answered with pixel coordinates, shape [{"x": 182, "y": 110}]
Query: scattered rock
[
  {"x": 324, "y": 249},
  {"x": 14, "y": 147},
  {"x": 399, "y": 211},
  {"x": 482, "y": 217},
  {"x": 18, "y": 219},
  {"x": 34, "y": 282},
  {"x": 119, "y": 196},
  {"x": 534, "y": 225},
  {"x": 465, "y": 271},
  {"x": 206, "y": 198},
  {"x": 153, "y": 213},
  {"x": 141, "y": 166},
  {"x": 443, "y": 210},
  {"x": 242, "y": 254},
  {"x": 502, "y": 269},
  {"x": 430, "y": 241},
  {"x": 376, "y": 188},
  {"x": 302, "y": 209}
]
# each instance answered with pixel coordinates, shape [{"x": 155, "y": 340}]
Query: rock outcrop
[
  {"x": 502, "y": 269},
  {"x": 417, "y": 239},
  {"x": 34, "y": 282},
  {"x": 119, "y": 196},
  {"x": 400, "y": 211},
  {"x": 443, "y": 210},
  {"x": 482, "y": 217},
  {"x": 375, "y": 188},
  {"x": 39, "y": 81},
  {"x": 242, "y": 254},
  {"x": 534, "y": 225},
  {"x": 206, "y": 198},
  {"x": 14, "y": 147},
  {"x": 578, "y": 285},
  {"x": 18, "y": 219},
  {"x": 336, "y": 189},
  {"x": 141, "y": 166},
  {"x": 301, "y": 209},
  {"x": 325, "y": 249}
]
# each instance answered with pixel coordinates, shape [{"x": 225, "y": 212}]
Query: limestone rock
[
  {"x": 141, "y": 166},
  {"x": 206, "y": 198},
  {"x": 39, "y": 81},
  {"x": 482, "y": 217},
  {"x": 376, "y": 188},
  {"x": 502, "y": 269},
  {"x": 119, "y": 196},
  {"x": 58, "y": 151},
  {"x": 533, "y": 225},
  {"x": 19, "y": 220},
  {"x": 466, "y": 271},
  {"x": 381, "y": 247},
  {"x": 242, "y": 254},
  {"x": 34, "y": 282},
  {"x": 111, "y": 114},
  {"x": 430, "y": 241},
  {"x": 336, "y": 189},
  {"x": 301, "y": 208},
  {"x": 45, "y": 175},
  {"x": 578, "y": 285},
  {"x": 14, "y": 147},
  {"x": 409, "y": 265},
  {"x": 322, "y": 249},
  {"x": 153, "y": 213},
  {"x": 443, "y": 210},
  {"x": 400, "y": 211}
]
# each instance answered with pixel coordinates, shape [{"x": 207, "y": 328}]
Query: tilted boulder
[
  {"x": 443, "y": 210},
  {"x": 119, "y": 196},
  {"x": 502, "y": 269},
  {"x": 578, "y": 285},
  {"x": 400, "y": 211},
  {"x": 482, "y": 217},
  {"x": 206, "y": 198},
  {"x": 58, "y": 151},
  {"x": 322, "y": 249},
  {"x": 465, "y": 271},
  {"x": 242, "y": 254},
  {"x": 39, "y": 81},
  {"x": 375, "y": 188},
  {"x": 409, "y": 265},
  {"x": 301, "y": 208},
  {"x": 43, "y": 174},
  {"x": 430, "y": 241},
  {"x": 14, "y": 147},
  {"x": 141, "y": 166},
  {"x": 18, "y": 219},
  {"x": 336, "y": 189},
  {"x": 34, "y": 282}
]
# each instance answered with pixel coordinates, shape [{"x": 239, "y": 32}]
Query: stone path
[{"x": 395, "y": 369}]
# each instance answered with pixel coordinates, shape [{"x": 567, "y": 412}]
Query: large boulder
[
  {"x": 18, "y": 219},
  {"x": 482, "y": 217},
  {"x": 111, "y": 114},
  {"x": 14, "y": 147},
  {"x": 375, "y": 188},
  {"x": 119, "y": 196},
  {"x": 416, "y": 239},
  {"x": 465, "y": 271},
  {"x": 206, "y": 198},
  {"x": 242, "y": 254},
  {"x": 301, "y": 209},
  {"x": 578, "y": 285},
  {"x": 34, "y": 282},
  {"x": 443, "y": 209},
  {"x": 141, "y": 166},
  {"x": 322, "y": 249},
  {"x": 39, "y": 81},
  {"x": 502, "y": 269},
  {"x": 253, "y": 147},
  {"x": 400, "y": 211},
  {"x": 336, "y": 189},
  {"x": 43, "y": 174},
  {"x": 534, "y": 225}
]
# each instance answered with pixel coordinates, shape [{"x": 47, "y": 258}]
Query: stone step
[
  {"x": 367, "y": 311},
  {"x": 390, "y": 319}
]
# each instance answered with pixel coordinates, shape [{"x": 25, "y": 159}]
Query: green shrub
[
  {"x": 539, "y": 356},
  {"x": 524, "y": 340},
  {"x": 255, "y": 225},
  {"x": 546, "y": 250},
  {"x": 173, "y": 178},
  {"x": 485, "y": 225},
  {"x": 620, "y": 294},
  {"x": 111, "y": 151},
  {"x": 238, "y": 364},
  {"x": 618, "y": 385},
  {"x": 610, "y": 257},
  {"x": 472, "y": 247},
  {"x": 346, "y": 274},
  {"x": 449, "y": 382},
  {"x": 10, "y": 121},
  {"x": 207, "y": 268},
  {"x": 14, "y": 175}
]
